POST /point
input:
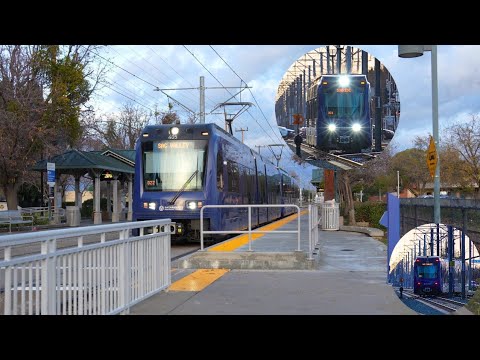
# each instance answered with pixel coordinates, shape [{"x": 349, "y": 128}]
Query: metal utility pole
[
  {"x": 378, "y": 109},
  {"x": 339, "y": 59},
  {"x": 242, "y": 130},
  {"x": 202, "y": 100},
  {"x": 328, "y": 60},
  {"x": 364, "y": 63},
  {"x": 348, "y": 57},
  {"x": 202, "y": 89},
  {"x": 451, "y": 261}
]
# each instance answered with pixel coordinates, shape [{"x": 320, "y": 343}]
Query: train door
[
  {"x": 265, "y": 193},
  {"x": 255, "y": 194},
  {"x": 243, "y": 176},
  {"x": 218, "y": 217},
  {"x": 282, "y": 198}
]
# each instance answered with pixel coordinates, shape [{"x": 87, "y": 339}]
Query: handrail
[
  {"x": 249, "y": 231},
  {"x": 70, "y": 273}
]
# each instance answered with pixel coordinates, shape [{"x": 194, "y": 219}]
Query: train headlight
[
  {"x": 152, "y": 206},
  {"x": 332, "y": 127},
  {"x": 356, "y": 127},
  {"x": 193, "y": 205},
  {"x": 343, "y": 81},
  {"x": 174, "y": 131}
]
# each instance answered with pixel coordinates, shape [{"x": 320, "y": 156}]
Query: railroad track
[
  {"x": 351, "y": 160},
  {"x": 444, "y": 305}
]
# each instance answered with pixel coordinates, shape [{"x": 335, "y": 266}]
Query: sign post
[
  {"x": 51, "y": 184},
  {"x": 50, "y": 174},
  {"x": 432, "y": 157}
]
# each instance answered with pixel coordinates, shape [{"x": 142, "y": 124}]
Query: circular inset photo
[{"x": 337, "y": 100}]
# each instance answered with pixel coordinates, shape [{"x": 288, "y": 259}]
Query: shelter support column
[
  {"x": 130, "y": 207},
  {"x": 97, "y": 214},
  {"x": 78, "y": 193},
  {"x": 109, "y": 200},
  {"x": 115, "y": 214}
]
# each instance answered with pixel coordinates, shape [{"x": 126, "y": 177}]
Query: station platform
[{"x": 346, "y": 277}]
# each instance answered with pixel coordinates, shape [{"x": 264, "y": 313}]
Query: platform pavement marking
[
  {"x": 241, "y": 240},
  {"x": 198, "y": 280}
]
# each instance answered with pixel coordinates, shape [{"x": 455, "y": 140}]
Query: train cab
[{"x": 427, "y": 275}]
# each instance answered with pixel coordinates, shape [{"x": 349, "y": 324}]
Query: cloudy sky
[{"x": 138, "y": 69}]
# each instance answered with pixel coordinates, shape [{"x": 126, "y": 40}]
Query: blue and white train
[{"x": 181, "y": 167}]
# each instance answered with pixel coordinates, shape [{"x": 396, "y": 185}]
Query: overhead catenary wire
[
  {"x": 253, "y": 96},
  {"x": 128, "y": 97},
  {"x": 176, "y": 72},
  {"x": 127, "y": 71},
  {"x": 138, "y": 66},
  {"x": 268, "y": 134}
]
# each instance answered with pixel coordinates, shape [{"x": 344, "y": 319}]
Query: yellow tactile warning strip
[
  {"x": 241, "y": 240},
  {"x": 198, "y": 280}
]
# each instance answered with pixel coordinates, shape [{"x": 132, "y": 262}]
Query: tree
[
  {"x": 42, "y": 93},
  {"x": 412, "y": 165},
  {"x": 117, "y": 131},
  {"x": 347, "y": 195},
  {"x": 170, "y": 116},
  {"x": 464, "y": 139}
]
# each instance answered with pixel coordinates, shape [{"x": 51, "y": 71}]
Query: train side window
[
  {"x": 261, "y": 187},
  {"x": 233, "y": 177},
  {"x": 219, "y": 170}
]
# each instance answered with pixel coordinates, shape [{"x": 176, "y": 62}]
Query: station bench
[{"x": 14, "y": 217}]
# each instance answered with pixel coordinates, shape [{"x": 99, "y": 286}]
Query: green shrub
[
  {"x": 87, "y": 207},
  {"x": 37, "y": 220},
  {"x": 370, "y": 212}
]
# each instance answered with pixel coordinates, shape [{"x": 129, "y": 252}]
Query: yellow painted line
[
  {"x": 241, "y": 240},
  {"x": 198, "y": 280}
]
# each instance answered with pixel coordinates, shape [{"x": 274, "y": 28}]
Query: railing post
[
  {"x": 8, "y": 282},
  {"x": 48, "y": 278},
  {"x": 310, "y": 229},
  {"x": 298, "y": 222},
  {"x": 103, "y": 283},
  {"x": 249, "y": 228},
  {"x": 122, "y": 276},
  {"x": 201, "y": 228},
  {"x": 127, "y": 272}
]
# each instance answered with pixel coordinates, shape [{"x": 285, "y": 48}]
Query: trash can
[
  {"x": 72, "y": 214},
  {"x": 330, "y": 215}
]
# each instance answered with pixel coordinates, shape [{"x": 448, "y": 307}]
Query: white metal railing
[
  {"x": 67, "y": 272},
  {"x": 42, "y": 212},
  {"x": 313, "y": 224},
  {"x": 249, "y": 231}
]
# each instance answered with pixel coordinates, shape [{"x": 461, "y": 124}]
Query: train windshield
[
  {"x": 170, "y": 165},
  {"x": 427, "y": 271},
  {"x": 346, "y": 103}
]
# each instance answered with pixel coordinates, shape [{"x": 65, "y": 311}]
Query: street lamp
[{"x": 409, "y": 51}]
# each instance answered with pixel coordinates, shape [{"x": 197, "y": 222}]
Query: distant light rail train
[
  {"x": 180, "y": 168},
  {"x": 338, "y": 114},
  {"x": 431, "y": 276}
]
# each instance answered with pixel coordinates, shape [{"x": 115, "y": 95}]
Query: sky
[{"x": 135, "y": 71}]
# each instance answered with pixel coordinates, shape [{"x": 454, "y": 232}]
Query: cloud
[{"x": 263, "y": 66}]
